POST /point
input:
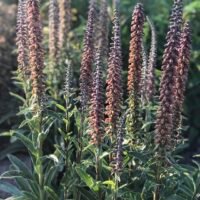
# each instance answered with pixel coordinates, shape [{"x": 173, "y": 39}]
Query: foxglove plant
[
  {"x": 87, "y": 58},
  {"x": 114, "y": 80},
  {"x": 164, "y": 121},
  {"x": 135, "y": 65},
  {"x": 36, "y": 57},
  {"x": 21, "y": 40},
  {"x": 181, "y": 74}
]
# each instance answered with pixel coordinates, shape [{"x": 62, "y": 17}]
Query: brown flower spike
[
  {"x": 96, "y": 115},
  {"x": 87, "y": 58},
  {"x": 164, "y": 121},
  {"x": 53, "y": 30},
  {"x": 114, "y": 80},
  {"x": 135, "y": 66},
  {"x": 36, "y": 53},
  {"x": 181, "y": 73},
  {"x": 135, "y": 56},
  {"x": 21, "y": 39}
]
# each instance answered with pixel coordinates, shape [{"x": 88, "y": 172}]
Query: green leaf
[
  {"x": 50, "y": 175},
  {"x": 51, "y": 193},
  {"x": 104, "y": 154},
  {"x": 10, "y": 189},
  {"x": 27, "y": 142},
  {"x": 11, "y": 174},
  {"x": 19, "y": 165},
  {"x": 60, "y": 107},
  {"x": 87, "y": 194},
  {"x": 52, "y": 157},
  {"x": 23, "y": 184},
  {"x": 18, "y": 97},
  {"x": 110, "y": 183},
  {"x": 87, "y": 179},
  {"x": 30, "y": 196},
  {"x": 17, "y": 198}
]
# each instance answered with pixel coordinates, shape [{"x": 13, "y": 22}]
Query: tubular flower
[
  {"x": 65, "y": 21},
  {"x": 36, "y": 53},
  {"x": 135, "y": 65},
  {"x": 87, "y": 58},
  {"x": 53, "y": 30},
  {"x": 114, "y": 80},
  {"x": 150, "y": 85},
  {"x": 164, "y": 121},
  {"x": 96, "y": 115},
  {"x": 21, "y": 39},
  {"x": 181, "y": 73}
]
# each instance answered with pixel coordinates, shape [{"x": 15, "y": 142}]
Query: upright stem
[
  {"x": 158, "y": 173},
  {"x": 80, "y": 147},
  {"x": 67, "y": 102},
  {"x": 80, "y": 134},
  {"x": 39, "y": 160},
  {"x": 157, "y": 191},
  {"x": 98, "y": 169},
  {"x": 115, "y": 193}
]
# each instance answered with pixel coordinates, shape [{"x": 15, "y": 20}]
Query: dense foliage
[{"x": 93, "y": 127}]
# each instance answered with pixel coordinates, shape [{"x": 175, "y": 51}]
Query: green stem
[
  {"x": 39, "y": 160},
  {"x": 115, "y": 193},
  {"x": 67, "y": 102},
  {"x": 79, "y": 153},
  {"x": 98, "y": 169},
  {"x": 40, "y": 175},
  {"x": 159, "y": 164},
  {"x": 80, "y": 147}
]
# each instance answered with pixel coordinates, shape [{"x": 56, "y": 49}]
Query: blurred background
[{"x": 157, "y": 10}]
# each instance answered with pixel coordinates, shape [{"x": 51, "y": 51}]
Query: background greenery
[{"x": 158, "y": 10}]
